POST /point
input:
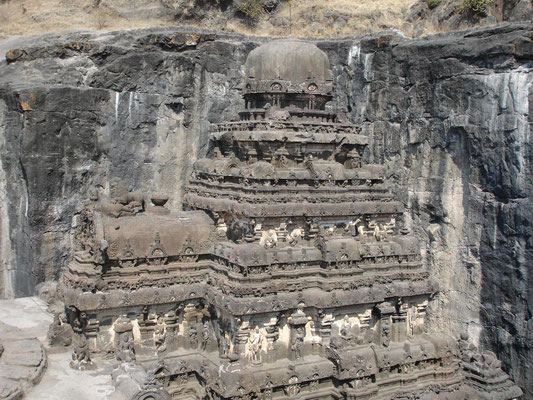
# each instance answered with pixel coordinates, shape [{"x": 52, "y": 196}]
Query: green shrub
[
  {"x": 434, "y": 3},
  {"x": 252, "y": 10},
  {"x": 474, "y": 6}
]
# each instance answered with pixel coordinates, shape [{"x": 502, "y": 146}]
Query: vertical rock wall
[
  {"x": 449, "y": 115},
  {"x": 86, "y": 111}
]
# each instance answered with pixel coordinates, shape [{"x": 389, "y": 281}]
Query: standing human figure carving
[
  {"x": 256, "y": 346},
  {"x": 205, "y": 335},
  {"x": 298, "y": 342}
]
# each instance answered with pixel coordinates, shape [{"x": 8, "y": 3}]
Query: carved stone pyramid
[{"x": 287, "y": 275}]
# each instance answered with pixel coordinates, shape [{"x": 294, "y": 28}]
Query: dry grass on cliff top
[
  {"x": 309, "y": 17},
  {"x": 335, "y": 18},
  {"x": 29, "y": 17}
]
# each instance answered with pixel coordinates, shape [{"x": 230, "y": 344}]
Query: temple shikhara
[{"x": 288, "y": 274}]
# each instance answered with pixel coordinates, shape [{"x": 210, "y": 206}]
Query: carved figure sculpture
[
  {"x": 256, "y": 346},
  {"x": 206, "y": 333},
  {"x": 294, "y": 237},
  {"x": 298, "y": 342},
  {"x": 346, "y": 329},
  {"x": 293, "y": 388},
  {"x": 59, "y": 332},
  {"x": 160, "y": 336},
  {"x": 81, "y": 357},
  {"x": 125, "y": 351},
  {"x": 269, "y": 239},
  {"x": 193, "y": 336}
]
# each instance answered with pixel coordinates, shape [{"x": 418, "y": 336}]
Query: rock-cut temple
[{"x": 288, "y": 274}]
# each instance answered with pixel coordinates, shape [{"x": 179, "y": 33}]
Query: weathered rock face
[
  {"x": 81, "y": 111},
  {"x": 449, "y": 115}
]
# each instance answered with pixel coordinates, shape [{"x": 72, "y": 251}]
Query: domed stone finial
[
  {"x": 288, "y": 73},
  {"x": 288, "y": 60}
]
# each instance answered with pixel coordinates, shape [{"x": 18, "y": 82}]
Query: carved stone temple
[{"x": 288, "y": 275}]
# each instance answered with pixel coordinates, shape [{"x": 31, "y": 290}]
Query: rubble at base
[{"x": 22, "y": 362}]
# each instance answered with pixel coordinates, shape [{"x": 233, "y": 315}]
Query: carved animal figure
[
  {"x": 112, "y": 207},
  {"x": 294, "y": 237},
  {"x": 269, "y": 239},
  {"x": 132, "y": 199},
  {"x": 239, "y": 229}
]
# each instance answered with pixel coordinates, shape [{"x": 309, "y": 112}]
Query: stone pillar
[
  {"x": 325, "y": 328},
  {"x": 124, "y": 349},
  {"x": 272, "y": 334},
  {"x": 312, "y": 228},
  {"x": 81, "y": 358},
  {"x": 364, "y": 320},
  {"x": 171, "y": 326},
  {"x": 258, "y": 229},
  {"x": 147, "y": 322},
  {"x": 241, "y": 336},
  {"x": 399, "y": 324},
  {"x": 91, "y": 330},
  {"x": 191, "y": 329},
  {"x": 297, "y": 322},
  {"x": 316, "y": 342},
  {"x": 282, "y": 232},
  {"x": 386, "y": 310},
  {"x": 419, "y": 319}
]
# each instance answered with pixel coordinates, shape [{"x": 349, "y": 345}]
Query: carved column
[
  {"x": 364, "y": 320},
  {"x": 272, "y": 334},
  {"x": 312, "y": 228},
  {"x": 241, "y": 336},
  {"x": 297, "y": 322},
  {"x": 81, "y": 358},
  {"x": 171, "y": 326},
  {"x": 147, "y": 322},
  {"x": 258, "y": 229},
  {"x": 325, "y": 328},
  {"x": 386, "y": 310},
  {"x": 191, "y": 327},
  {"x": 91, "y": 328},
  {"x": 419, "y": 318},
  {"x": 316, "y": 342},
  {"x": 399, "y": 324},
  {"x": 282, "y": 232},
  {"x": 124, "y": 350}
]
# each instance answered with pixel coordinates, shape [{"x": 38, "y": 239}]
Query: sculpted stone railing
[{"x": 289, "y": 126}]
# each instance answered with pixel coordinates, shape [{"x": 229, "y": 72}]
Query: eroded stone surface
[
  {"x": 22, "y": 362},
  {"x": 58, "y": 380}
]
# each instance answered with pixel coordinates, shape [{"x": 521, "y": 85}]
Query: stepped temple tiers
[{"x": 289, "y": 273}]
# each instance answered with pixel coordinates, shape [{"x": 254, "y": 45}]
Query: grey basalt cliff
[{"x": 449, "y": 115}]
